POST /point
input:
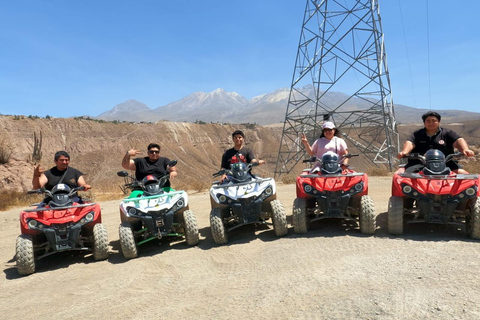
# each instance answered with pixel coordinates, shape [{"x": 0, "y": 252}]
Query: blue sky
[{"x": 64, "y": 58}]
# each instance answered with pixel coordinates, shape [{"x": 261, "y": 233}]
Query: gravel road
[{"x": 332, "y": 272}]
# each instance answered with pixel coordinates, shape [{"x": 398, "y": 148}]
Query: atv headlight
[
  {"x": 269, "y": 191},
  {"x": 89, "y": 216},
  {"x": 132, "y": 211},
  {"x": 180, "y": 203},
  {"x": 222, "y": 198},
  {"x": 308, "y": 188},
  {"x": 407, "y": 189},
  {"x": 32, "y": 224},
  {"x": 358, "y": 186},
  {"x": 470, "y": 191}
]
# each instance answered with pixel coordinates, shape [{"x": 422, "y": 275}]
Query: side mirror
[
  {"x": 122, "y": 173},
  {"x": 172, "y": 163}
]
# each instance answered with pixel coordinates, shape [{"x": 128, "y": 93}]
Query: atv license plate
[{"x": 156, "y": 202}]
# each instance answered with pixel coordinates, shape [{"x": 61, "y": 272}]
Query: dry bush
[
  {"x": 377, "y": 172},
  {"x": 196, "y": 185},
  {"x": 11, "y": 199},
  {"x": 288, "y": 178},
  {"x": 106, "y": 192},
  {"x": 471, "y": 166},
  {"x": 6, "y": 149}
]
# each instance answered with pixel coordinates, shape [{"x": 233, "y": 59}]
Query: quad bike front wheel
[
  {"x": 367, "y": 215},
  {"x": 127, "y": 241},
  {"x": 299, "y": 215},
  {"x": 279, "y": 218},
  {"x": 24, "y": 255},
  {"x": 100, "y": 242},
  {"x": 219, "y": 233},
  {"x": 191, "y": 228},
  {"x": 395, "y": 215},
  {"x": 473, "y": 223}
]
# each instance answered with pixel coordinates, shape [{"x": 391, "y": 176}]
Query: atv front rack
[
  {"x": 230, "y": 184},
  {"x": 439, "y": 177},
  {"x": 60, "y": 208},
  {"x": 353, "y": 174},
  {"x": 152, "y": 197}
]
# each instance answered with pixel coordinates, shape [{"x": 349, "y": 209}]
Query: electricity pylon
[{"x": 341, "y": 75}]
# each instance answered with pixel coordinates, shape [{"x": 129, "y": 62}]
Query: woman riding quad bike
[{"x": 327, "y": 191}]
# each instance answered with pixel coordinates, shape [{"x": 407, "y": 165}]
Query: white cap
[{"x": 328, "y": 125}]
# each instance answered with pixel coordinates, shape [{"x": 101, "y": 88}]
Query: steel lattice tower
[{"x": 341, "y": 75}]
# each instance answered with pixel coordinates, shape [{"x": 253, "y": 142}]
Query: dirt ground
[{"x": 333, "y": 272}]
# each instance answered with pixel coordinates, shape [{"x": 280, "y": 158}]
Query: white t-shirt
[{"x": 322, "y": 145}]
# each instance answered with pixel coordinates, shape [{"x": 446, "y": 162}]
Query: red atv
[
  {"x": 60, "y": 223},
  {"x": 429, "y": 192},
  {"x": 327, "y": 191}
]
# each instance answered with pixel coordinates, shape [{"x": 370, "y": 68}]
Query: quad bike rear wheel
[
  {"x": 100, "y": 242},
  {"x": 299, "y": 215},
  {"x": 279, "y": 218},
  {"x": 191, "y": 228},
  {"x": 127, "y": 241},
  {"x": 473, "y": 224},
  {"x": 24, "y": 255},
  {"x": 219, "y": 233},
  {"x": 367, "y": 215},
  {"x": 395, "y": 215}
]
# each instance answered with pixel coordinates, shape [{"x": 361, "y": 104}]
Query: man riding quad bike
[
  {"x": 327, "y": 191},
  {"x": 153, "y": 211},
  {"x": 61, "y": 223},
  {"x": 243, "y": 199},
  {"x": 430, "y": 192}
]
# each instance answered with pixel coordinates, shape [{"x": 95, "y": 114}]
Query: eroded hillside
[{"x": 97, "y": 148}]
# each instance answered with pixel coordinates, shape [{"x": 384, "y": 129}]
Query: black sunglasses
[{"x": 153, "y": 151}]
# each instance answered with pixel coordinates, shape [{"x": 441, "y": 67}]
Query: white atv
[
  {"x": 244, "y": 199},
  {"x": 153, "y": 211}
]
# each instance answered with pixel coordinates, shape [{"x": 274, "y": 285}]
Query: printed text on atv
[
  {"x": 342, "y": 194},
  {"x": 146, "y": 217},
  {"x": 244, "y": 199},
  {"x": 56, "y": 227},
  {"x": 431, "y": 196}
]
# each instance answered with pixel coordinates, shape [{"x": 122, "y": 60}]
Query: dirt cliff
[{"x": 97, "y": 148}]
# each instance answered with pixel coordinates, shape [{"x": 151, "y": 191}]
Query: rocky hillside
[{"x": 97, "y": 148}]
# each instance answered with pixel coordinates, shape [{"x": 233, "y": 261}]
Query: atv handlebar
[
  {"x": 228, "y": 171},
  {"x": 36, "y": 191},
  {"x": 418, "y": 156},
  {"x": 345, "y": 156},
  {"x": 49, "y": 193}
]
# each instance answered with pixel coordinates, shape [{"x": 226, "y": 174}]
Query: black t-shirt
[
  {"x": 443, "y": 140},
  {"x": 244, "y": 153},
  {"x": 145, "y": 167},
  {"x": 54, "y": 175}
]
